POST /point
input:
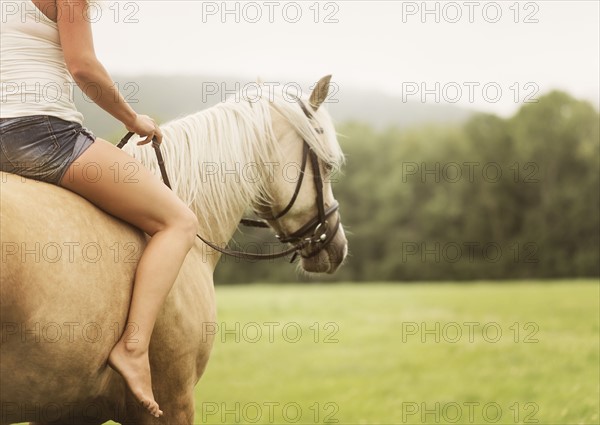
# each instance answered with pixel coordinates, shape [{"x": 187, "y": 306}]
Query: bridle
[{"x": 316, "y": 234}]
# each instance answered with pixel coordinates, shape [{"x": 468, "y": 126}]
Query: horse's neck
[
  {"x": 220, "y": 232},
  {"x": 218, "y": 184}
]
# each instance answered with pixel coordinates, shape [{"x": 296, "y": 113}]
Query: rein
[{"x": 321, "y": 235}]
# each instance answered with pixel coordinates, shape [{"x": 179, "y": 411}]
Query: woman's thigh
[{"x": 121, "y": 186}]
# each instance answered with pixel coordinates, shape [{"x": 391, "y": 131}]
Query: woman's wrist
[{"x": 130, "y": 118}]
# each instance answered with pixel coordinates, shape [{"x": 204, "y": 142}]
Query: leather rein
[{"x": 316, "y": 233}]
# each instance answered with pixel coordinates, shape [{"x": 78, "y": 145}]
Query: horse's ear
[{"x": 319, "y": 94}]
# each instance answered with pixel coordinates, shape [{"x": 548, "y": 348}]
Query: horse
[{"x": 68, "y": 267}]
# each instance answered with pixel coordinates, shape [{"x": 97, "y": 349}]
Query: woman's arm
[{"x": 78, "y": 48}]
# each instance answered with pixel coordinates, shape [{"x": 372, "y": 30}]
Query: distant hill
[
  {"x": 381, "y": 110},
  {"x": 169, "y": 97}
]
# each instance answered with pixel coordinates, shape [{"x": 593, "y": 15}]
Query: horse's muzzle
[{"x": 330, "y": 258}]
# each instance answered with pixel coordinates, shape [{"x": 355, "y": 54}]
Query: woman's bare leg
[{"x": 148, "y": 204}]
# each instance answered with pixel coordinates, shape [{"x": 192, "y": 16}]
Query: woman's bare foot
[{"x": 134, "y": 367}]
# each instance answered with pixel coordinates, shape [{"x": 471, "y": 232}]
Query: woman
[{"x": 45, "y": 45}]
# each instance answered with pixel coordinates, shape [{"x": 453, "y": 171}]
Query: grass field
[{"x": 405, "y": 354}]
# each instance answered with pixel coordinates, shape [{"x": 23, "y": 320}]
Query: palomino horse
[{"x": 67, "y": 267}]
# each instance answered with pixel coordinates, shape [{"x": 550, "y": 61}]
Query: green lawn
[{"x": 368, "y": 354}]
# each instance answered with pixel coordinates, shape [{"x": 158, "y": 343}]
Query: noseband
[{"x": 315, "y": 235}]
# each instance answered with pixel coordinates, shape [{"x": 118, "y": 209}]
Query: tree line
[{"x": 493, "y": 198}]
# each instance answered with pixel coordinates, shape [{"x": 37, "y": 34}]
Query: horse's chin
[{"x": 326, "y": 261}]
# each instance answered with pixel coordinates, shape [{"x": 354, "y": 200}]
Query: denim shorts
[{"x": 41, "y": 147}]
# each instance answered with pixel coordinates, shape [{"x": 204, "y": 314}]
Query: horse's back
[{"x": 58, "y": 248}]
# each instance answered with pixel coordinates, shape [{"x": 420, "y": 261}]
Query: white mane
[{"x": 215, "y": 158}]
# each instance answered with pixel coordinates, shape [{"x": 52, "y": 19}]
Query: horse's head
[
  {"x": 302, "y": 208},
  {"x": 288, "y": 150}
]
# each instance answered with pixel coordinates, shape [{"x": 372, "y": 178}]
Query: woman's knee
[{"x": 185, "y": 222}]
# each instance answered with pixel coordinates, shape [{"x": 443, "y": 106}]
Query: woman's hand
[{"x": 145, "y": 126}]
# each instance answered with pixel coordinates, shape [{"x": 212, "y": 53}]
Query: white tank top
[{"x": 34, "y": 79}]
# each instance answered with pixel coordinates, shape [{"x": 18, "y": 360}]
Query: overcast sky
[{"x": 484, "y": 55}]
